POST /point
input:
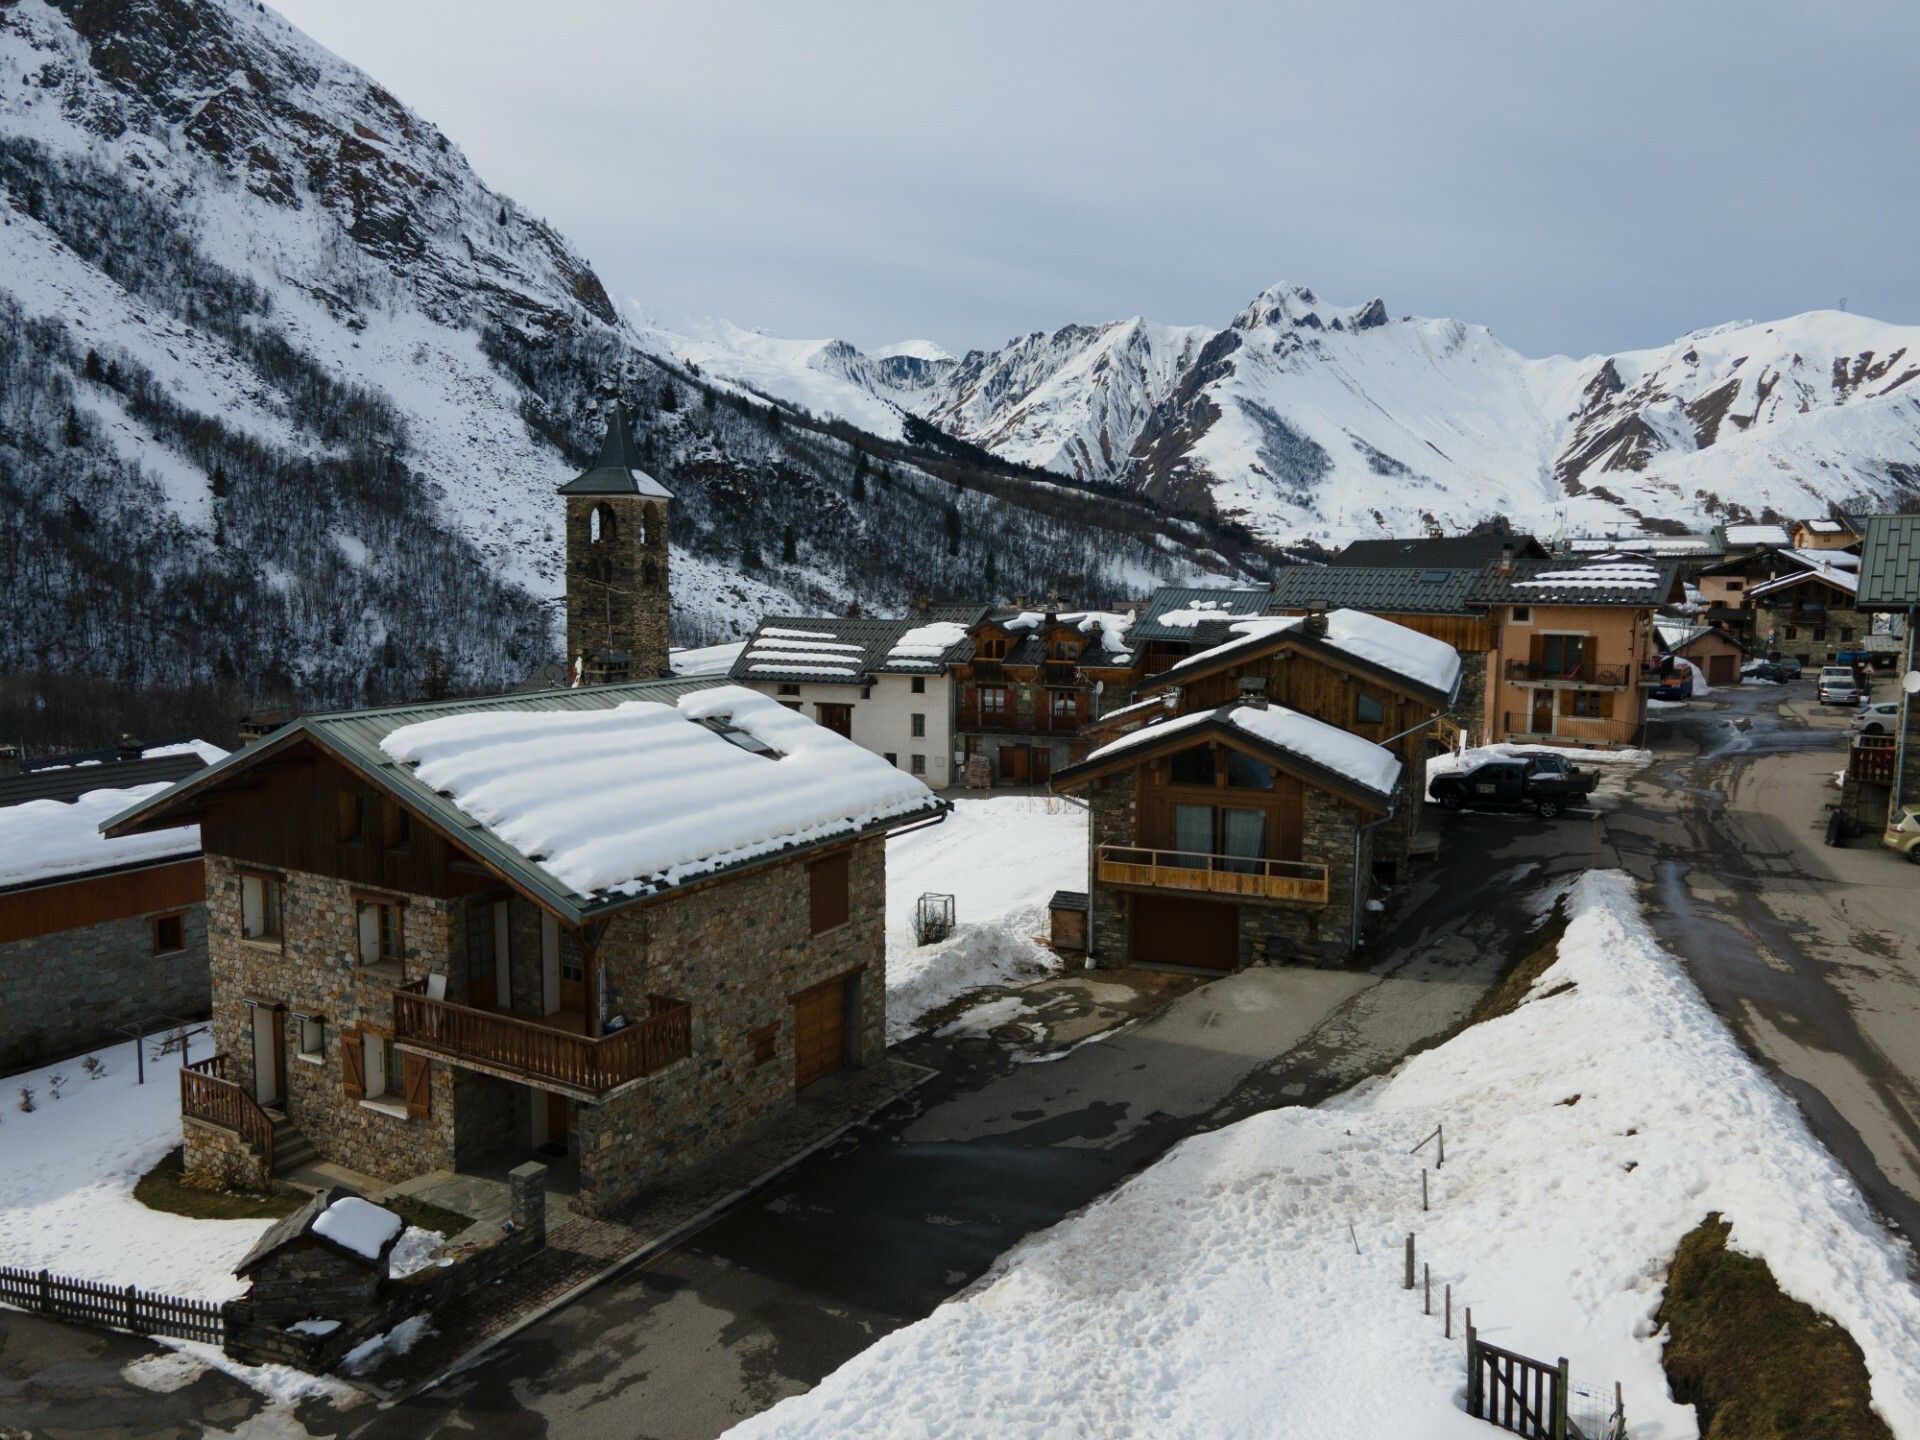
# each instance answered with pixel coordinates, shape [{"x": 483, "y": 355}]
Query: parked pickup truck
[{"x": 1544, "y": 784}]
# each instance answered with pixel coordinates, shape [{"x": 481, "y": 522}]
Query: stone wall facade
[
  {"x": 737, "y": 951},
  {"x": 617, "y": 595},
  {"x": 217, "y": 1159},
  {"x": 64, "y": 992},
  {"x": 1270, "y": 934}
]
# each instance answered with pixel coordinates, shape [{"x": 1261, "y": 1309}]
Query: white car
[
  {"x": 1879, "y": 718},
  {"x": 1838, "y": 687}
]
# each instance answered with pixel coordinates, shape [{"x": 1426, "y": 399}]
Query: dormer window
[{"x": 993, "y": 647}]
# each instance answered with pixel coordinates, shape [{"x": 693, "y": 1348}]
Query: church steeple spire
[{"x": 617, "y": 593}]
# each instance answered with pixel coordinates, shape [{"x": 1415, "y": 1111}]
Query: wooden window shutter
[
  {"x": 828, "y": 881},
  {"x": 418, "y": 1091},
  {"x": 353, "y": 1066}
]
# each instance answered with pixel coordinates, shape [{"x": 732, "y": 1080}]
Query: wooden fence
[
  {"x": 1532, "y": 1398},
  {"x": 144, "y": 1312}
]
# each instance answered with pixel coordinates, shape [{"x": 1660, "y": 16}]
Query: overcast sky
[{"x": 1579, "y": 177}]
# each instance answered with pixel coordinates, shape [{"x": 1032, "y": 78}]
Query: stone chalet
[
  {"x": 1245, "y": 811},
  {"x": 95, "y": 933},
  {"x": 616, "y": 926},
  {"x": 1807, "y": 609},
  {"x": 884, "y": 684}
]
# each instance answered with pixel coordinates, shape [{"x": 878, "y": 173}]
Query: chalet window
[
  {"x": 765, "y": 1042},
  {"x": 827, "y": 884},
  {"x": 310, "y": 1037},
  {"x": 789, "y": 689},
  {"x": 1589, "y": 704},
  {"x": 1523, "y": 615},
  {"x": 892, "y": 758},
  {"x": 1560, "y": 655},
  {"x": 1192, "y": 767},
  {"x": 1246, "y": 773},
  {"x": 169, "y": 934},
  {"x": 1820, "y": 633},
  {"x": 347, "y": 818},
  {"x": 1065, "y": 704},
  {"x": 1736, "y": 584},
  {"x": 919, "y": 684},
  {"x": 379, "y": 932},
  {"x": 396, "y": 826},
  {"x": 573, "y": 965},
  {"x": 1368, "y": 711},
  {"x": 380, "y": 1068},
  {"x": 919, "y": 727},
  {"x": 260, "y": 897},
  {"x": 1793, "y": 633},
  {"x": 1065, "y": 650},
  {"x": 993, "y": 647},
  {"x": 919, "y": 765},
  {"x": 993, "y": 699},
  {"x": 480, "y": 952},
  {"x": 1203, "y": 830}
]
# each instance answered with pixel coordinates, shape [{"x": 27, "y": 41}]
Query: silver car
[{"x": 1838, "y": 687}]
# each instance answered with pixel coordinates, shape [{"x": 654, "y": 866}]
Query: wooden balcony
[
  {"x": 1282, "y": 880},
  {"x": 1599, "y": 731},
  {"x": 517, "y": 1048},
  {"x": 1870, "y": 758},
  {"x": 1012, "y": 722},
  {"x": 1584, "y": 676}
]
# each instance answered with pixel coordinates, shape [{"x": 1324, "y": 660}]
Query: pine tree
[
  {"x": 92, "y": 369},
  {"x": 75, "y": 437},
  {"x": 789, "y": 546},
  {"x": 668, "y": 399},
  {"x": 860, "y": 480},
  {"x": 953, "y": 530}
]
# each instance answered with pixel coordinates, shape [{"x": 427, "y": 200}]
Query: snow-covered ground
[
  {"x": 66, "y": 1186},
  {"x": 1249, "y": 1284},
  {"x": 1001, "y": 857}
]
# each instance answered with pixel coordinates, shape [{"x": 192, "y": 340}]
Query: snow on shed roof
[
  {"x": 43, "y": 840},
  {"x": 1755, "y": 536},
  {"x": 1429, "y": 665},
  {"x": 645, "y": 795}
]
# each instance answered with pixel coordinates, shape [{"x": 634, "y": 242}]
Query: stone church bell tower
[{"x": 617, "y": 595}]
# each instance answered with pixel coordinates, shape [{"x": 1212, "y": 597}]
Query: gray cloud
[{"x": 1580, "y": 178}]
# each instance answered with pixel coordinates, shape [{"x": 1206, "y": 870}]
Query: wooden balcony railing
[
  {"x": 982, "y": 669},
  {"x": 207, "y": 1094},
  {"x": 1043, "y": 722},
  {"x": 1586, "y": 673},
  {"x": 1060, "y": 672},
  {"x": 1570, "y": 729},
  {"x": 1291, "y": 880},
  {"x": 488, "y": 1040},
  {"x": 1870, "y": 758}
]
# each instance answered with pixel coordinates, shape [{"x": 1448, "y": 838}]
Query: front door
[
  {"x": 819, "y": 1032},
  {"x": 1178, "y": 930},
  {"x": 487, "y": 987},
  {"x": 1013, "y": 764},
  {"x": 558, "y": 1114},
  {"x": 1542, "y": 713},
  {"x": 269, "y": 1055},
  {"x": 837, "y": 718},
  {"x": 1042, "y": 764}
]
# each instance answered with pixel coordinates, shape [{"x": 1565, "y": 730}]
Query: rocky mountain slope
[
  {"x": 1311, "y": 421},
  {"x": 285, "y": 392}
]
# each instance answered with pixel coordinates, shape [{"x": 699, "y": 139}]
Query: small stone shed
[{"x": 316, "y": 1281}]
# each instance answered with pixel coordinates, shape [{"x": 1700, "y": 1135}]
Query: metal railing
[
  {"x": 587, "y": 1063},
  {"x": 1041, "y": 722},
  {"x": 1250, "y": 877},
  {"x": 1597, "y": 677},
  {"x": 1572, "y": 729},
  {"x": 207, "y": 1094}
]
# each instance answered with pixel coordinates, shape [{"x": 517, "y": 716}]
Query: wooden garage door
[
  {"x": 819, "y": 1032},
  {"x": 1176, "y": 930},
  {"x": 1720, "y": 670}
]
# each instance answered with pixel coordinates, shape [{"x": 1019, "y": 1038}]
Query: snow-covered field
[
  {"x": 66, "y": 1184},
  {"x": 1249, "y": 1284},
  {"x": 1001, "y": 857}
]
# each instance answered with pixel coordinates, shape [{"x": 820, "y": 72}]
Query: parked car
[
  {"x": 1877, "y": 718},
  {"x": 1767, "y": 670},
  {"x": 1837, "y": 686},
  {"x": 1678, "y": 687},
  {"x": 1790, "y": 665},
  {"x": 1904, "y": 838},
  {"x": 1543, "y": 784}
]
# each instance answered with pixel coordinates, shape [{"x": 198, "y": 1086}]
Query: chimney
[
  {"x": 1019, "y": 602},
  {"x": 853, "y": 610},
  {"x": 1253, "y": 691},
  {"x": 1505, "y": 568},
  {"x": 1315, "y": 622},
  {"x": 922, "y": 603}
]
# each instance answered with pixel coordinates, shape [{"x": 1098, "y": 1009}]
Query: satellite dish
[{"x": 1910, "y": 682}]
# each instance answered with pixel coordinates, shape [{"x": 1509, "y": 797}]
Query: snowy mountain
[
  {"x": 285, "y": 392},
  {"x": 1311, "y": 421}
]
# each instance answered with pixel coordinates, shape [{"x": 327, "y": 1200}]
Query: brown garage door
[
  {"x": 1176, "y": 930},
  {"x": 1720, "y": 670},
  {"x": 819, "y": 1032}
]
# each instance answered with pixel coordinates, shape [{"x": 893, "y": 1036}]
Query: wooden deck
[{"x": 1289, "y": 881}]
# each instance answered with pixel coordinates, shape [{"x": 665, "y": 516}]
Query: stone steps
[{"x": 291, "y": 1149}]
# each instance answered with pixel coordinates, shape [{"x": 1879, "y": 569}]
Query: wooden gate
[{"x": 1526, "y": 1396}]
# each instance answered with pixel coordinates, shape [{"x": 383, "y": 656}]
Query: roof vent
[{"x": 1315, "y": 622}]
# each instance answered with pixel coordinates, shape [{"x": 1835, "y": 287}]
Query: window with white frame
[
  {"x": 379, "y": 932},
  {"x": 260, "y": 907},
  {"x": 382, "y": 1067},
  {"x": 310, "y": 1034}
]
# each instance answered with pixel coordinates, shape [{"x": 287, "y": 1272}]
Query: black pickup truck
[{"x": 1544, "y": 784}]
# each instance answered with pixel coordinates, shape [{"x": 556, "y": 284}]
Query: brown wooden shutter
[
  {"x": 419, "y": 1092},
  {"x": 353, "y": 1069},
  {"x": 828, "y": 880}
]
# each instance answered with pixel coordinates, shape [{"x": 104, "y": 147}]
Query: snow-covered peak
[
  {"x": 1295, "y": 306},
  {"x": 911, "y": 350}
]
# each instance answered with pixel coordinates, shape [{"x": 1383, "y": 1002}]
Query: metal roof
[
  {"x": 355, "y": 735},
  {"x": 1529, "y": 584},
  {"x": 1150, "y": 626},
  {"x": 69, "y": 782},
  {"x": 1440, "y": 551},
  {"x": 1380, "y": 589},
  {"x": 876, "y": 637},
  {"x": 617, "y": 471},
  {"x": 1890, "y": 564}
]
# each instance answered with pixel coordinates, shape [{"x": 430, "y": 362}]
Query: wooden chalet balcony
[
  {"x": 986, "y": 669},
  {"x": 1285, "y": 880},
  {"x": 522, "y": 1049},
  {"x": 1060, "y": 673},
  {"x": 1585, "y": 676},
  {"x": 1870, "y": 758},
  {"x": 1013, "y": 723},
  {"x": 1595, "y": 730}
]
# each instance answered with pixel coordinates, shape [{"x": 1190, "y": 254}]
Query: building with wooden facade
[
  {"x": 95, "y": 934},
  {"x": 615, "y": 925},
  {"x": 1807, "y": 609},
  {"x": 1715, "y": 652},
  {"x": 884, "y": 684},
  {"x": 1028, "y": 681},
  {"x": 1575, "y": 649}
]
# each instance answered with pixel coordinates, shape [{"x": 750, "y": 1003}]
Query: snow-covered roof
[
  {"x": 1383, "y": 646},
  {"x": 43, "y": 840},
  {"x": 639, "y": 797},
  {"x": 1172, "y": 611},
  {"x": 359, "y": 1225},
  {"x": 1844, "y": 577},
  {"x": 1757, "y": 536},
  {"x": 1110, "y": 626},
  {"x": 1645, "y": 544},
  {"x": 706, "y": 659},
  {"x": 1317, "y": 745},
  {"x": 926, "y": 646},
  {"x": 1824, "y": 527},
  {"x": 617, "y": 471},
  {"x": 851, "y": 649},
  {"x": 1608, "y": 579}
]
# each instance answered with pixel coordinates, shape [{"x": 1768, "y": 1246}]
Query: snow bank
[
  {"x": 46, "y": 839},
  {"x": 66, "y": 1189},
  {"x": 646, "y": 795},
  {"x": 1249, "y": 1283},
  {"x": 1001, "y": 858}
]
